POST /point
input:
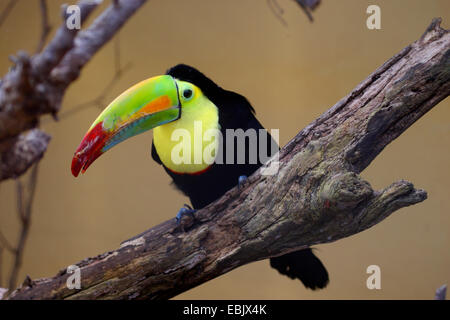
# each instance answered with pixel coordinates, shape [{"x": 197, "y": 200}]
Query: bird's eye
[{"x": 187, "y": 93}]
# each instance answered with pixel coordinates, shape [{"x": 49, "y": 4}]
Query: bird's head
[{"x": 151, "y": 103}]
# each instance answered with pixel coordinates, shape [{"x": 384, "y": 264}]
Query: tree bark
[{"x": 316, "y": 197}]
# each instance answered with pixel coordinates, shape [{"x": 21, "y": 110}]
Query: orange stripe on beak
[{"x": 156, "y": 105}]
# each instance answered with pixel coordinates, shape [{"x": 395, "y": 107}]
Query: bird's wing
[{"x": 155, "y": 154}]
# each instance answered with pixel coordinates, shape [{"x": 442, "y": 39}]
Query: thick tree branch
[
  {"x": 36, "y": 85},
  {"x": 316, "y": 197},
  {"x": 62, "y": 42},
  {"x": 16, "y": 154},
  {"x": 88, "y": 42}
]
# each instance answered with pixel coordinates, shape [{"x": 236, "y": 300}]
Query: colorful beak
[{"x": 146, "y": 105}]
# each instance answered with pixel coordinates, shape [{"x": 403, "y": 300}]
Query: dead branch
[
  {"x": 5, "y": 244},
  {"x": 317, "y": 196},
  {"x": 36, "y": 85},
  {"x": 18, "y": 153}
]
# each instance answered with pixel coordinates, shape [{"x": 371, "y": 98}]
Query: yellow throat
[{"x": 188, "y": 145}]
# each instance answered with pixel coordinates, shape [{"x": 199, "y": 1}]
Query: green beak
[{"x": 146, "y": 105}]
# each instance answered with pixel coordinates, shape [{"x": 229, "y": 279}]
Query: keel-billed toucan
[{"x": 180, "y": 100}]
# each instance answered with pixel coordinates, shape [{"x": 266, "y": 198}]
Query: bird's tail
[{"x": 302, "y": 265}]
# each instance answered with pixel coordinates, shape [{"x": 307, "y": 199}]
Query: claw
[
  {"x": 186, "y": 210},
  {"x": 241, "y": 181}
]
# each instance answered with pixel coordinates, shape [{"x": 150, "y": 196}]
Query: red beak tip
[
  {"x": 75, "y": 172},
  {"x": 76, "y": 166},
  {"x": 89, "y": 149}
]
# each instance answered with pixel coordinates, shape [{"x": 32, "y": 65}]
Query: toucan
[{"x": 174, "y": 105}]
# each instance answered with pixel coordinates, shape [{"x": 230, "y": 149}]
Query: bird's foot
[
  {"x": 185, "y": 217},
  {"x": 241, "y": 181}
]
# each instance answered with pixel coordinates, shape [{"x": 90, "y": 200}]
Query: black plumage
[{"x": 235, "y": 112}]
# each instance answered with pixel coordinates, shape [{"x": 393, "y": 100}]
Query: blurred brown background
[{"x": 291, "y": 74}]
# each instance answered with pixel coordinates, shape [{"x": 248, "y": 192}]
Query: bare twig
[
  {"x": 306, "y": 5},
  {"x": 99, "y": 101},
  {"x": 5, "y": 243},
  {"x": 277, "y": 11},
  {"x": 7, "y": 10},
  {"x": 19, "y": 200},
  {"x": 45, "y": 25},
  {"x": 117, "y": 61},
  {"x": 24, "y": 209}
]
